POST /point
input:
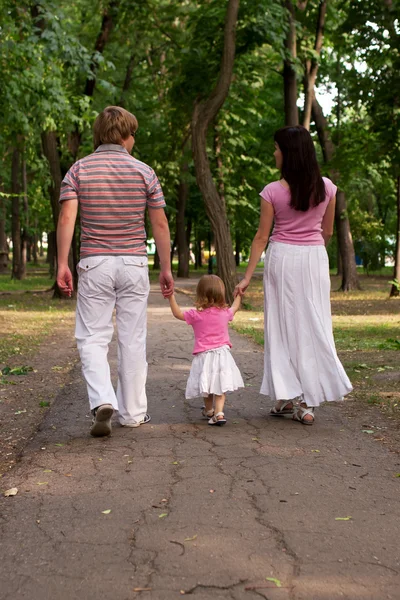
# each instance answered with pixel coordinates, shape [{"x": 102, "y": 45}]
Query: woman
[{"x": 300, "y": 361}]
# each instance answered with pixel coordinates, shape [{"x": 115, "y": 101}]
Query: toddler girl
[{"x": 213, "y": 371}]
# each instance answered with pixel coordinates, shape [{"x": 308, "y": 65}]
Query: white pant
[{"x": 105, "y": 283}]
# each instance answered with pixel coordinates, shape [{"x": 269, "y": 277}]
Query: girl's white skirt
[
  {"x": 213, "y": 372},
  {"x": 300, "y": 358}
]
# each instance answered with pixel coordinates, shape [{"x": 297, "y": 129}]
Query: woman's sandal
[
  {"x": 207, "y": 414},
  {"x": 302, "y": 412},
  {"x": 215, "y": 421},
  {"x": 280, "y": 411}
]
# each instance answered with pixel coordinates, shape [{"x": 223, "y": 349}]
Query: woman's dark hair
[{"x": 300, "y": 167}]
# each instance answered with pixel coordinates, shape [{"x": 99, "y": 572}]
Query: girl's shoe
[
  {"x": 215, "y": 421},
  {"x": 302, "y": 412},
  {"x": 281, "y": 408},
  {"x": 207, "y": 414}
]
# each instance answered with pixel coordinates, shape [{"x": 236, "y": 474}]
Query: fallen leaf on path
[
  {"x": 163, "y": 515},
  {"x": 19, "y": 412},
  {"x": 130, "y": 462},
  {"x": 315, "y": 450},
  {"x": 42, "y": 482},
  {"x": 235, "y": 422},
  {"x": 68, "y": 474},
  {"x": 11, "y": 492},
  {"x": 175, "y": 463},
  {"x": 190, "y": 539},
  {"x": 275, "y": 581},
  {"x": 106, "y": 512},
  {"x": 396, "y": 475},
  {"x": 47, "y": 471},
  {"x": 368, "y": 431},
  {"x": 343, "y": 518},
  {"x": 255, "y": 439},
  {"x": 142, "y": 589},
  {"x": 56, "y": 368},
  {"x": 59, "y": 445}
]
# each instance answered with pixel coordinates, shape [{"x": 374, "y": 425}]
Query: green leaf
[
  {"x": 106, "y": 512},
  {"x": 190, "y": 539},
  {"x": 275, "y": 581},
  {"x": 163, "y": 515},
  {"x": 343, "y": 518}
]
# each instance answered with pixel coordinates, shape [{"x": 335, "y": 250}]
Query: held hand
[
  {"x": 65, "y": 281},
  {"x": 166, "y": 283},
  {"x": 241, "y": 288}
]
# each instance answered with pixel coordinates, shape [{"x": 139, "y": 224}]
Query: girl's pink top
[
  {"x": 294, "y": 226},
  {"x": 210, "y": 327}
]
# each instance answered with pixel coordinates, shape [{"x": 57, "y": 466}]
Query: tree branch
[{"x": 311, "y": 69}]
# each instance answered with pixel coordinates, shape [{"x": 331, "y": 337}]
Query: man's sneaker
[
  {"x": 145, "y": 420},
  {"x": 101, "y": 424}
]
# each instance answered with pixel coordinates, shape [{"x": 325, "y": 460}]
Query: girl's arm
[
  {"x": 258, "y": 245},
  {"x": 176, "y": 311},
  {"x": 328, "y": 220},
  {"x": 236, "y": 304}
]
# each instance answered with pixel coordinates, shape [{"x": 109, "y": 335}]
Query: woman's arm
[
  {"x": 328, "y": 220},
  {"x": 258, "y": 245},
  {"x": 176, "y": 311}
]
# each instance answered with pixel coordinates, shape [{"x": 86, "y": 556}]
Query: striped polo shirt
[{"x": 113, "y": 190}]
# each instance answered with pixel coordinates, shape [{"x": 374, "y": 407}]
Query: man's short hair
[{"x": 113, "y": 125}]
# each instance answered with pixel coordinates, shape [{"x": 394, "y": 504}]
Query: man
[{"x": 113, "y": 190}]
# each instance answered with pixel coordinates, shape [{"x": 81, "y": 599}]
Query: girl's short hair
[
  {"x": 210, "y": 292},
  {"x": 300, "y": 167},
  {"x": 113, "y": 125}
]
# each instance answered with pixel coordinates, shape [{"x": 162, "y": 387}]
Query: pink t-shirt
[
  {"x": 210, "y": 327},
  {"x": 294, "y": 226}
]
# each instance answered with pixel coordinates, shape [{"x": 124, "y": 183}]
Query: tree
[{"x": 204, "y": 113}]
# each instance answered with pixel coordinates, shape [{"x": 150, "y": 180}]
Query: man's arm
[
  {"x": 65, "y": 231},
  {"x": 159, "y": 224}
]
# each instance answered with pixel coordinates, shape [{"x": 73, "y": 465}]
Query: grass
[{"x": 25, "y": 320}]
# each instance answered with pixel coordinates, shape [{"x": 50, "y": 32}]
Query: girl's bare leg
[
  {"x": 219, "y": 405},
  {"x": 208, "y": 402}
]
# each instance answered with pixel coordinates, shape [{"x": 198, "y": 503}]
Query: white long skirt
[
  {"x": 213, "y": 372},
  {"x": 300, "y": 357}
]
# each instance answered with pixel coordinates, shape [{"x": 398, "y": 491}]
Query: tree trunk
[
  {"x": 395, "y": 289},
  {"x": 350, "y": 276},
  {"x": 203, "y": 115},
  {"x": 50, "y": 150},
  {"x": 312, "y": 65},
  {"x": 25, "y": 233},
  {"x": 52, "y": 256},
  {"x": 350, "y": 279},
  {"x": 181, "y": 238},
  {"x": 339, "y": 268},
  {"x": 237, "y": 248},
  {"x": 127, "y": 80},
  {"x": 17, "y": 272},
  {"x": 3, "y": 237},
  {"x": 156, "y": 264},
  {"x": 109, "y": 15},
  {"x": 289, "y": 73},
  {"x": 198, "y": 262}
]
